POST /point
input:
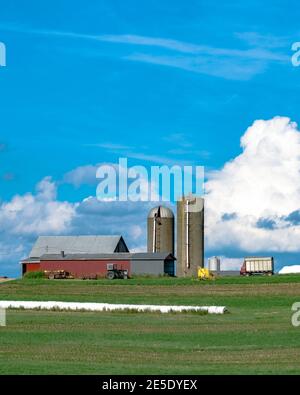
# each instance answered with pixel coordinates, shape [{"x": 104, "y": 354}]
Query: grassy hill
[{"x": 255, "y": 337}]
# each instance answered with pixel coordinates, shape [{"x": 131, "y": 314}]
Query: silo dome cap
[{"x": 161, "y": 211}]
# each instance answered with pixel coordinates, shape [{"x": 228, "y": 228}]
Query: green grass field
[{"x": 256, "y": 337}]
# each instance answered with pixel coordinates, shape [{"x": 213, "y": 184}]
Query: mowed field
[{"x": 256, "y": 337}]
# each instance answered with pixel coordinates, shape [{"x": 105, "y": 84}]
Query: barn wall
[
  {"x": 152, "y": 267},
  {"x": 31, "y": 267},
  {"x": 84, "y": 267}
]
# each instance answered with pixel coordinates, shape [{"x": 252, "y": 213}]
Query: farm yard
[{"x": 255, "y": 337}]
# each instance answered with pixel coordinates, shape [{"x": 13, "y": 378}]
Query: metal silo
[
  {"x": 161, "y": 230},
  {"x": 190, "y": 236},
  {"x": 214, "y": 264}
]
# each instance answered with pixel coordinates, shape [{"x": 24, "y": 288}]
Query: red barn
[
  {"x": 86, "y": 253},
  {"x": 88, "y": 257}
]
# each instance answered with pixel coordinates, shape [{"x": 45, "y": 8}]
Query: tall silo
[
  {"x": 160, "y": 230},
  {"x": 190, "y": 236}
]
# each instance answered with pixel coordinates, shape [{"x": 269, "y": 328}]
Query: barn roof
[
  {"x": 78, "y": 245},
  {"x": 152, "y": 256}
]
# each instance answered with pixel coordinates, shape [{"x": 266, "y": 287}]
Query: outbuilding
[{"x": 153, "y": 263}]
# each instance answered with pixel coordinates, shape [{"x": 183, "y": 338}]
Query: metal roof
[
  {"x": 262, "y": 258},
  {"x": 31, "y": 260},
  {"x": 161, "y": 212},
  {"x": 152, "y": 255},
  {"x": 75, "y": 245}
]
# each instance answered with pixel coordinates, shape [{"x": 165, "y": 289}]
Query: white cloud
[
  {"x": 36, "y": 213},
  {"x": 252, "y": 203},
  {"x": 164, "y": 160},
  {"x": 170, "y": 44},
  {"x": 82, "y": 175},
  {"x": 231, "y": 263},
  {"x": 223, "y": 66},
  {"x": 263, "y": 40},
  {"x": 125, "y": 218},
  {"x": 141, "y": 248},
  {"x": 229, "y": 63},
  {"x": 137, "y": 231},
  {"x": 26, "y": 216},
  {"x": 109, "y": 146}
]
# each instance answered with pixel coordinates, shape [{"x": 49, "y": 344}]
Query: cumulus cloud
[
  {"x": 125, "y": 218},
  {"x": 26, "y": 216},
  {"x": 253, "y": 202},
  {"x": 231, "y": 263},
  {"x": 81, "y": 175},
  {"x": 36, "y": 213}
]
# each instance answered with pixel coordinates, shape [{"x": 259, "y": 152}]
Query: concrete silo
[
  {"x": 190, "y": 236},
  {"x": 160, "y": 225}
]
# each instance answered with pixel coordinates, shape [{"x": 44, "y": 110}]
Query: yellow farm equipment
[{"x": 205, "y": 274}]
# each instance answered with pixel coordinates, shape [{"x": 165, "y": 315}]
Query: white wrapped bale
[{"x": 109, "y": 307}]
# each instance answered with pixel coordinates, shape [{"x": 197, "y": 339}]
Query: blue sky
[{"x": 159, "y": 82}]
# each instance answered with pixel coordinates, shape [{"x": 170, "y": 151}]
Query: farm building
[
  {"x": 155, "y": 263},
  {"x": 88, "y": 257}
]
